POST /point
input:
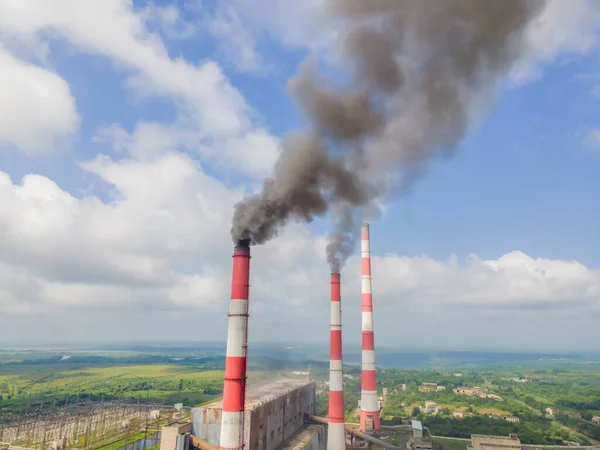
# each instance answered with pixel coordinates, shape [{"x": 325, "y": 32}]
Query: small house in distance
[
  {"x": 428, "y": 387},
  {"x": 458, "y": 414},
  {"x": 511, "y": 419},
  {"x": 431, "y": 407}
]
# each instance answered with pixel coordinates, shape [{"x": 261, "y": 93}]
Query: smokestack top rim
[
  {"x": 335, "y": 277},
  {"x": 243, "y": 244}
]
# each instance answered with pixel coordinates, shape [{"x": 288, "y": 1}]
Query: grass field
[
  {"x": 20, "y": 385},
  {"x": 123, "y": 442}
]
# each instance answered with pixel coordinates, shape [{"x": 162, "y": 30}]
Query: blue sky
[{"x": 130, "y": 130}]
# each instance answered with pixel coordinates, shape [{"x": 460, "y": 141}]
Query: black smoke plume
[{"x": 416, "y": 71}]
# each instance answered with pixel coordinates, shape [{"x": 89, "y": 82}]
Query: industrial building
[
  {"x": 482, "y": 442},
  {"x": 417, "y": 429},
  {"x": 274, "y": 417}
]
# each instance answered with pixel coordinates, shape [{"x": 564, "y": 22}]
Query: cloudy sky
[{"x": 129, "y": 129}]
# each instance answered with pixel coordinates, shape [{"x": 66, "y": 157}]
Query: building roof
[
  {"x": 480, "y": 441},
  {"x": 263, "y": 393},
  {"x": 416, "y": 425}
]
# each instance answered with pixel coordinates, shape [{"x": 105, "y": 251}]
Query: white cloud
[
  {"x": 563, "y": 28},
  {"x": 513, "y": 280},
  {"x": 293, "y": 24},
  {"x": 36, "y": 106},
  {"x": 160, "y": 244},
  {"x": 156, "y": 247},
  {"x": 252, "y": 153},
  {"x": 210, "y": 108},
  {"x": 238, "y": 46},
  {"x": 242, "y": 27},
  {"x": 169, "y": 20}
]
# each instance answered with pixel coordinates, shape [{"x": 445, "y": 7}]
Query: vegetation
[
  {"x": 123, "y": 442},
  {"x": 55, "y": 385},
  {"x": 570, "y": 385},
  {"x": 573, "y": 390}
]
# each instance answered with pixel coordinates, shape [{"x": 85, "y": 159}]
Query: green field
[
  {"x": 574, "y": 390},
  {"x": 571, "y": 386},
  {"x": 22, "y": 384}
]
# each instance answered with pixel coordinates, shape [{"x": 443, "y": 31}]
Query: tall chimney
[
  {"x": 369, "y": 405},
  {"x": 336, "y": 437},
  {"x": 234, "y": 390}
]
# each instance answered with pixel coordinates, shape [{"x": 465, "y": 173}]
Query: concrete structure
[
  {"x": 482, "y": 442},
  {"x": 234, "y": 390},
  {"x": 511, "y": 419},
  {"x": 474, "y": 391},
  {"x": 550, "y": 411},
  {"x": 431, "y": 407},
  {"x": 274, "y": 415},
  {"x": 440, "y": 388},
  {"x": 369, "y": 406},
  {"x": 175, "y": 437},
  {"x": 428, "y": 387},
  {"x": 417, "y": 429},
  {"x": 418, "y": 444},
  {"x": 336, "y": 436},
  {"x": 403, "y": 387},
  {"x": 596, "y": 419},
  {"x": 458, "y": 414},
  {"x": 310, "y": 437}
]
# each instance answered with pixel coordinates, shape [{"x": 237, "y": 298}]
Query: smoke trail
[{"x": 417, "y": 71}]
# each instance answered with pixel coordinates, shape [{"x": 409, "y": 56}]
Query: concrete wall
[
  {"x": 311, "y": 437},
  {"x": 168, "y": 438},
  {"x": 206, "y": 423},
  {"x": 172, "y": 434},
  {"x": 277, "y": 420},
  {"x": 269, "y": 421}
]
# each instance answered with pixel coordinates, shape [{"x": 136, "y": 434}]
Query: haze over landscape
[{"x": 129, "y": 130}]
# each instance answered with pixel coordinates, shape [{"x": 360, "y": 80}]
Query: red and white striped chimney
[
  {"x": 336, "y": 438},
  {"x": 369, "y": 404},
  {"x": 234, "y": 390}
]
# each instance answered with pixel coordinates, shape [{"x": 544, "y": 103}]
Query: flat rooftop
[
  {"x": 264, "y": 393},
  {"x": 481, "y": 440}
]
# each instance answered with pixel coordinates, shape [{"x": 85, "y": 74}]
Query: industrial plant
[{"x": 281, "y": 414}]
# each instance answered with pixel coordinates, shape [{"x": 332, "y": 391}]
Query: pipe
[
  {"x": 234, "y": 390},
  {"x": 359, "y": 434},
  {"x": 202, "y": 445},
  {"x": 369, "y": 404},
  {"x": 336, "y": 438},
  {"x": 369, "y": 438}
]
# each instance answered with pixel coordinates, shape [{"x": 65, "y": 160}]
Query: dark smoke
[{"x": 417, "y": 70}]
